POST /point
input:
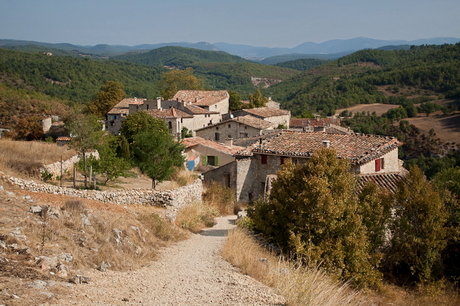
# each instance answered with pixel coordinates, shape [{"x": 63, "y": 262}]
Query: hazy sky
[{"x": 265, "y": 23}]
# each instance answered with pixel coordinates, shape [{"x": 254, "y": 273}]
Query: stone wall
[
  {"x": 175, "y": 198},
  {"x": 67, "y": 165}
]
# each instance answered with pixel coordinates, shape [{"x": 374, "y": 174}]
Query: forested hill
[
  {"x": 374, "y": 76},
  {"x": 220, "y": 70},
  {"x": 78, "y": 79},
  {"x": 75, "y": 79},
  {"x": 178, "y": 57}
]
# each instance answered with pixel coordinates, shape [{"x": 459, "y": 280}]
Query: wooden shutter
[
  {"x": 216, "y": 161},
  {"x": 205, "y": 160},
  {"x": 377, "y": 165}
]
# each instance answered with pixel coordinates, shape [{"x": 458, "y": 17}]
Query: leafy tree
[
  {"x": 312, "y": 211},
  {"x": 185, "y": 133},
  {"x": 123, "y": 148},
  {"x": 447, "y": 182},
  {"x": 428, "y": 108},
  {"x": 176, "y": 80},
  {"x": 108, "y": 96},
  {"x": 156, "y": 153},
  {"x": 234, "y": 101},
  {"x": 418, "y": 230},
  {"x": 86, "y": 134},
  {"x": 109, "y": 165},
  {"x": 375, "y": 208},
  {"x": 28, "y": 129},
  {"x": 257, "y": 99},
  {"x": 139, "y": 122}
]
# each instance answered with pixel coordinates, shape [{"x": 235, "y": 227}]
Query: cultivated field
[
  {"x": 378, "y": 108},
  {"x": 446, "y": 127}
]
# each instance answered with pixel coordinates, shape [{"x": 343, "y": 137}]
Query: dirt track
[{"x": 191, "y": 272}]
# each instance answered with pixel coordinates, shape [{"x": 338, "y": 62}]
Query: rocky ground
[{"x": 190, "y": 272}]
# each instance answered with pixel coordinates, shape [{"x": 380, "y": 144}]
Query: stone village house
[
  {"x": 235, "y": 128},
  {"x": 191, "y": 109},
  {"x": 373, "y": 158},
  {"x": 202, "y": 154}
]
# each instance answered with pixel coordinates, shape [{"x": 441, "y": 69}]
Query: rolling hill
[{"x": 418, "y": 74}]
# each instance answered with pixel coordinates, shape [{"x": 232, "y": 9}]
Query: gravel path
[{"x": 191, "y": 272}]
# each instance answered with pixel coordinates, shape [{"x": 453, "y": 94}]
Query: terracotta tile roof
[
  {"x": 194, "y": 141},
  {"x": 249, "y": 141},
  {"x": 252, "y": 121},
  {"x": 122, "y": 107},
  {"x": 387, "y": 181},
  {"x": 198, "y": 110},
  {"x": 168, "y": 113},
  {"x": 246, "y": 120},
  {"x": 359, "y": 149},
  {"x": 305, "y": 122},
  {"x": 266, "y": 112},
  {"x": 332, "y": 128},
  {"x": 201, "y": 97}
]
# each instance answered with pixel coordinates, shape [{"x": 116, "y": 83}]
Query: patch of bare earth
[
  {"x": 378, "y": 108},
  {"x": 446, "y": 127}
]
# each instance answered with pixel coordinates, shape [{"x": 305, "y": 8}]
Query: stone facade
[
  {"x": 236, "y": 128},
  {"x": 389, "y": 163},
  {"x": 239, "y": 176}
]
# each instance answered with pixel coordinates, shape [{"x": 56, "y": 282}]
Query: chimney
[
  {"x": 229, "y": 141},
  {"x": 326, "y": 143},
  {"x": 159, "y": 104}
]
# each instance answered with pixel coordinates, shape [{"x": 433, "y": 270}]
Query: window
[
  {"x": 282, "y": 160},
  {"x": 263, "y": 159},
  {"x": 213, "y": 160},
  {"x": 217, "y": 137},
  {"x": 229, "y": 126}
]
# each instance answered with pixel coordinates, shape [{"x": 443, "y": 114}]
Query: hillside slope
[{"x": 357, "y": 79}]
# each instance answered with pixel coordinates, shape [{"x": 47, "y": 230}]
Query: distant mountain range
[{"x": 329, "y": 49}]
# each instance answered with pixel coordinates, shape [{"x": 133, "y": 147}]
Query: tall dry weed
[
  {"x": 24, "y": 158},
  {"x": 298, "y": 284},
  {"x": 219, "y": 197},
  {"x": 123, "y": 240},
  {"x": 182, "y": 177},
  {"x": 197, "y": 216}
]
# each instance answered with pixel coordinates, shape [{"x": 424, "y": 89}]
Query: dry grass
[
  {"x": 24, "y": 158},
  {"x": 182, "y": 177},
  {"x": 217, "y": 200},
  {"x": 302, "y": 286},
  {"x": 195, "y": 217},
  {"x": 66, "y": 230},
  {"x": 125, "y": 240},
  {"x": 220, "y": 198},
  {"x": 299, "y": 285}
]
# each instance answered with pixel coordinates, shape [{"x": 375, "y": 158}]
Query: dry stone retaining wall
[
  {"x": 67, "y": 165},
  {"x": 175, "y": 198}
]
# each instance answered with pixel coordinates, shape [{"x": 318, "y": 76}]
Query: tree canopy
[
  {"x": 139, "y": 122},
  {"x": 311, "y": 211},
  {"x": 176, "y": 80},
  {"x": 107, "y": 97},
  {"x": 157, "y": 153}
]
